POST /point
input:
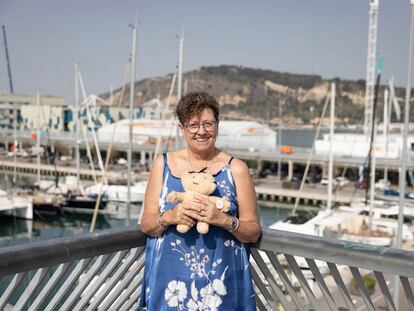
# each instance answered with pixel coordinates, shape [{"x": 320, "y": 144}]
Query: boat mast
[
  {"x": 372, "y": 174},
  {"x": 331, "y": 136},
  {"x": 38, "y": 137},
  {"x": 7, "y": 59},
  {"x": 77, "y": 124},
  {"x": 404, "y": 145},
  {"x": 372, "y": 134},
  {"x": 131, "y": 105},
  {"x": 179, "y": 81},
  {"x": 386, "y": 124},
  {"x": 11, "y": 89}
]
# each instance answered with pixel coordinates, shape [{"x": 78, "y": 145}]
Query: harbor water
[{"x": 17, "y": 231}]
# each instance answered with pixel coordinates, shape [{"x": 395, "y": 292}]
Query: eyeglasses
[{"x": 209, "y": 126}]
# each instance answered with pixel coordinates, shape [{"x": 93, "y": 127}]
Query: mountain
[{"x": 254, "y": 94}]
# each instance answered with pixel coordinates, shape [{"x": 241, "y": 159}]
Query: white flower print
[
  {"x": 164, "y": 193},
  {"x": 210, "y": 298},
  {"x": 237, "y": 249},
  {"x": 175, "y": 293},
  {"x": 195, "y": 260},
  {"x": 225, "y": 188},
  {"x": 194, "y": 304},
  {"x": 211, "y": 294},
  {"x": 229, "y": 175}
]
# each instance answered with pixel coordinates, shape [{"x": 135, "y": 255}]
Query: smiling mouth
[
  {"x": 201, "y": 139},
  {"x": 195, "y": 183}
]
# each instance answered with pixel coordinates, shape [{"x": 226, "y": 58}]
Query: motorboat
[
  {"x": 16, "y": 205},
  {"x": 119, "y": 193}
]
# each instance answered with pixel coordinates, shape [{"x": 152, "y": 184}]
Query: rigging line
[
  {"x": 90, "y": 121},
  {"x": 311, "y": 154},
  {"x": 166, "y": 108},
  {"x": 88, "y": 149},
  {"x": 109, "y": 150}
]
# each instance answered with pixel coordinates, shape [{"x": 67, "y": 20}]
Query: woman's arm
[
  {"x": 154, "y": 224},
  {"x": 249, "y": 225},
  {"x": 149, "y": 220}
]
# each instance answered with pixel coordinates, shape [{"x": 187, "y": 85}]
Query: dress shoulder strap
[{"x": 165, "y": 170}]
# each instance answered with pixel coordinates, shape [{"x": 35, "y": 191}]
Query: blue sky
[{"x": 325, "y": 37}]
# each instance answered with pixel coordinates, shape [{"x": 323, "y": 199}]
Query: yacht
[
  {"x": 16, "y": 205},
  {"x": 119, "y": 193},
  {"x": 350, "y": 224}
]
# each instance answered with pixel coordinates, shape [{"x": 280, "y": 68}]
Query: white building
[{"x": 357, "y": 145}]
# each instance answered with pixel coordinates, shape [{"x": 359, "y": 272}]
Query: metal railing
[{"x": 104, "y": 271}]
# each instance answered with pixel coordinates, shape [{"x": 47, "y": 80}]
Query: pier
[{"x": 267, "y": 189}]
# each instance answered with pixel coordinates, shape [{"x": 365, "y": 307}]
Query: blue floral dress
[{"x": 192, "y": 271}]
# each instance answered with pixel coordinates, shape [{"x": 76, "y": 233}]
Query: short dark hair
[{"x": 193, "y": 103}]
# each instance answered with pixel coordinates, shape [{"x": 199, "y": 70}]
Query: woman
[{"x": 192, "y": 271}]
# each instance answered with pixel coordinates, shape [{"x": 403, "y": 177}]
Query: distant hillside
[{"x": 254, "y": 94}]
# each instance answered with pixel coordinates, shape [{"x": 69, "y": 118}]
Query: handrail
[
  {"x": 378, "y": 258},
  {"x": 105, "y": 269},
  {"x": 40, "y": 254}
]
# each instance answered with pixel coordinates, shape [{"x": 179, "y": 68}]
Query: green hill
[{"x": 255, "y": 94}]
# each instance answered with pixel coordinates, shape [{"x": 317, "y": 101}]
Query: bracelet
[{"x": 161, "y": 223}]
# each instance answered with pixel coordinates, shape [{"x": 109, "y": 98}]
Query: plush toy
[{"x": 202, "y": 183}]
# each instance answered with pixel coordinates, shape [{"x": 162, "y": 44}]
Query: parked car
[
  {"x": 338, "y": 181},
  {"x": 382, "y": 184},
  {"x": 341, "y": 181}
]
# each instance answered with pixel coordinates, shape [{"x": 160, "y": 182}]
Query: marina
[
  {"x": 331, "y": 161},
  {"x": 299, "y": 192}
]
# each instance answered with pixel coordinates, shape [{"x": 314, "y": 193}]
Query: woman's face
[{"x": 201, "y": 131}]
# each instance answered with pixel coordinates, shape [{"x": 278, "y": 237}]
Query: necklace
[{"x": 206, "y": 168}]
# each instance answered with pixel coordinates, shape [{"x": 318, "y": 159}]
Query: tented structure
[
  {"x": 236, "y": 135},
  {"x": 246, "y": 135}
]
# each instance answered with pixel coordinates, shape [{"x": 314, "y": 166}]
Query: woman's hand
[
  {"x": 185, "y": 213},
  {"x": 210, "y": 213}
]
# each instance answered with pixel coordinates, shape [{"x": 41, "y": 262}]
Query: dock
[
  {"x": 267, "y": 189},
  {"x": 270, "y": 189}
]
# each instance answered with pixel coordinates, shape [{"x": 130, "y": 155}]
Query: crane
[{"x": 371, "y": 66}]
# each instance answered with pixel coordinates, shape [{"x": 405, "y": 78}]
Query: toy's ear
[
  {"x": 211, "y": 183},
  {"x": 212, "y": 187},
  {"x": 186, "y": 180}
]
